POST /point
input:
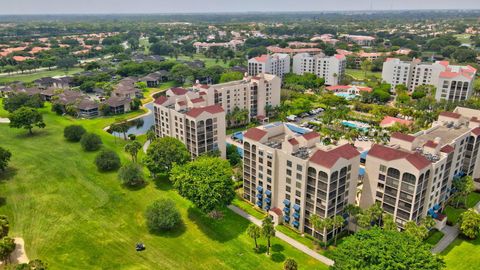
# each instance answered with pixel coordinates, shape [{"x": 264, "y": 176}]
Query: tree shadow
[
  {"x": 3, "y": 201},
  {"x": 8, "y": 174},
  {"x": 174, "y": 233},
  {"x": 137, "y": 187},
  {"x": 261, "y": 249},
  {"x": 36, "y": 133},
  {"x": 277, "y": 257},
  {"x": 221, "y": 230},
  {"x": 162, "y": 182},
  {"x": 277, "y": 248}
]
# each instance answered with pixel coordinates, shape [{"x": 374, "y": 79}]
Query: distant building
[
  {"x": 277, "y": 64},
  {"x": 204, "y": 46},
  {"x": 359, "y": 40},
  {"x": 293, "y": 51},
  {"x": 452, "y": 82},
  {"x": 389, "y": 121},
  {"x": 331, "y": 68}
]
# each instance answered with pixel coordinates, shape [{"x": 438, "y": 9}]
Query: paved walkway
[
  {"x": 19, "y": 255},
  {"x": 449, "y": 235},
  {"x": 285, "y": 238},
  {"x": 145, "y": 146},
  {"x": 4, "y": 120}
]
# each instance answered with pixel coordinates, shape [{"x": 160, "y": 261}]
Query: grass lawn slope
[
  {"x": 463, "y": 254},
  {"x": 74, "y": 217}
]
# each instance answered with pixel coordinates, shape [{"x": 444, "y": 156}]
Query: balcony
[
  {"x": 296, "y": 207},
  {"x": 286, "y": 203},
  {"x": 260, "y": 189},
  {"x": 268, "y": 193},
  {"x": 286, "y": 210},
  {"x": 259, "y": 204},
  {"x": 296, "y": 216},
  {"x": 259, "y": 196}
]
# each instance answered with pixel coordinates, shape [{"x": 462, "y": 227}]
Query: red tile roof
[
  {"x": 255, "y": 134},
  {"x": 182, "y": 103},
  {"x": 263, "y": 58},
  {"x": 160, "y": 100},
  {"x": 293, "y": 141},
  {"x": 447, "y": 149},
  {"x": 214, "y": 109},
  {"x": 179, "y": 91},
  {"x": 389, "y": 120},
  {"x": 403, "y": 137},
  {"x": 197, "y": 100},
  {"x": 328, "y": 158},
  {"x": 475, "y": 119},
  {"x": 451, "y": 115},
  {"x": 389, "y": 154},
  {"x": 311, "y": 135},
  {"x": 431, "y": 144},
  {"x": 277, "y": 211},
  {"x": 476, "y": 131}
]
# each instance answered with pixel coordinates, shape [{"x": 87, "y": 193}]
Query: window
[
  {"x": 298, "y": 185},
  {"x": 289, "y": 163},
  {"x": 288, "y": 188},
  {"x": 289, "y": 172},
  {"x": 383, "y": 168},
  {"x": 299, "y": 167},
  {"x": 298, "y": 193},
  {"x": 288, "y": 180}
]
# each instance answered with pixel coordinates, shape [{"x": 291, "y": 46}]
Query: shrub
[
  {"x": 74, "y": 133},
  {"x": 90, "y": 142},
  {"x": 131, "y": 174},
  {"x": 107, "y": 160},
  {"x": 162, "y": 215}
]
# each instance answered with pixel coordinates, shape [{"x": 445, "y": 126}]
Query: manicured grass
[
  {"x": 463, "y": 38},
  {"x": 3, "y": 112},
  {"x": 162, "y": 87},
  {"x": 454, "y": 213},
  {"x": 145, "y": 44},
  {"x": 249, "y": 208},
  {"x": 433, "y": 237},
  {"x": 358, "y": 74},
  {"x": 74, "y": 217},
  {"x": 462, "y": 254},
  {"x": 208, "y": 61},
  {"x": 30, "y": 77}
]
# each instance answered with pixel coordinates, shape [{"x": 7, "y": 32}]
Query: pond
[{"x": 140, "y": 129}]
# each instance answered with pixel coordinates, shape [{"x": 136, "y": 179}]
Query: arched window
[
  {"x": 394, "y": 173},
  {"x": 409, "y": 178},
  {"x": 323, "y": 176},
  {"x": 343, "y": 171}
]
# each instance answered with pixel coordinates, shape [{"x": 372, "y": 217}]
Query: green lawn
[
  {"x": 249, "y": 208},
  {"x": 74, "y": 217},
  {"x": 357, "y": 74},
  {"x": 463, "y": 38},
  {"x": 144, "y": 43},
  {"x": 433, "y": 237},
  {"x": 462, "y": 255},
  {"x": 208, "y": 61},
  {"x": 162, "y": 87},
  {"x": 3, "y": 112},
  {"x": 454, "y": 213},
  {"x": 29, "y": 77}
]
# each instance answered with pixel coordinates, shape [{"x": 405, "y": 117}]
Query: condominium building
[
  {"x": 359, "y": 40},
  {"x": 290, "y": 174},
  {"x": 412, "y": 175},
  {"x": 276, "y": 64},
  {"x": 331, "y": 68},
  {"x": 197, "y": 116},
  {"x": 452, "y": 82}
]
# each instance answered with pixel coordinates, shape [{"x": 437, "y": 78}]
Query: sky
[{"x": 201, "y": 6}]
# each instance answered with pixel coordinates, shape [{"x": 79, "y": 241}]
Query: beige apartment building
[
  {"x": 413, "y": 174},
  {"x": 292, "y": 175},
  {"x": 452, "y": 82},
  {"x": 197, "y": 116},
  {"x": 331, "y": 68}
]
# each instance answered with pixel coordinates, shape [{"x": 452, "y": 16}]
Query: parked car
[{"x": 292, "y": 118}]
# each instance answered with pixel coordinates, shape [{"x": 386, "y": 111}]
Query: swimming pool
[
  {"x": 346, "y": 95},
  {"x": 356, "y": 125}
]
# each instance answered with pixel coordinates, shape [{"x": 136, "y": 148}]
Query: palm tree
[
  {"x": 352, "y": 212},
  {"x": 132, "y": 149},
  {"x": 290, "y": 264},
  {"x": 337, "y": 222},
  {"x": 316, "y": 223},
  {"x": 363, "y": 219},
  {"x": 324, "y": 226},
  {"x": 388, "y": 223},
  {"x": 151, "y": 135},
  {"x": 376, "y": 212},
  {"x": 254, "y": 232},
  {"x": 268, "y": 231}
]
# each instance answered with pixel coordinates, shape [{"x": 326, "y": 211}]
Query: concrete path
[
  {"x": 449, "y": 235},
  {"x": 145, "y": 146},
  {"x": 19, "y": 255},
  {"x": 285, "y": 238},
  {"x": 4, "y": 120}
]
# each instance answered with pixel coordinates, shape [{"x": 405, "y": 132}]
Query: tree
[
  {"x": 290, "y": 264},
  {"x": 254, "y": 232},
  {"x": 232, "y": 155},
  {"x": 132, "y": 149},
  {"x": 74, "y": 133},
  {"x": 206, "y": 181},
  {"x": 4, "y": 226},
  {"x": 162, "y": 215},
  {"x": 7, "y": 246},
  {"x": 337, "y": 223},
  {"x": 366, "y": 66},
  {"x": 131, "y": 174},
  {"x": 120, "y": 127},
  {"x": 230, "y": 76},
  {"x": 463, "y": 186},
  {"x": 383, "y": 249},
  {"x": 316, "y": 223},
  {"x": 389, "y": 223},
  {"x": 268, "y": 231},
  {"x": 90, "y": 142},
  {"x": 151, "y": 136},
  {"x": 352, "y": 211},
  {"x": 464, "y": 55},
  {"x": 66, "y": 62},
  {"x": 32, "y": 265},
  {"x": 470, "y": 223},
  {"x": 16, "y": 101},
  {"x": 107, "y": 160},
  {"x": 418, "y": 232},
  {"x": 26, "y": 118},
  {"x": 163, "y": 153},
  {"x": 5, "y": 156}
]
